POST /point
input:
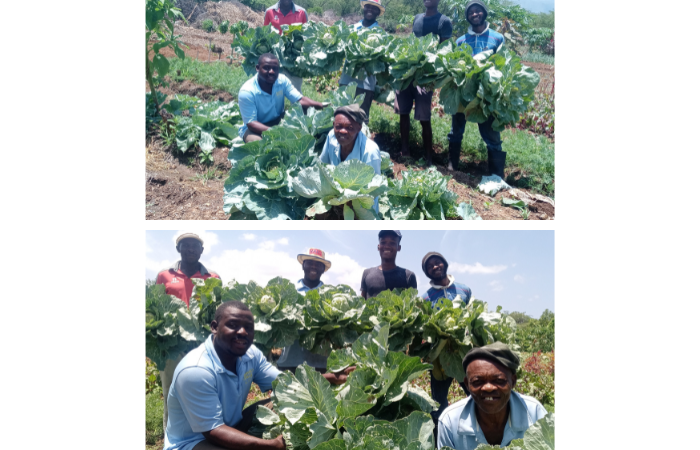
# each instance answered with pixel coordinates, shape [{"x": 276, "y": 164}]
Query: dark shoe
[
  {"x": 429, "y": 157},
  {"x": 455, "y": 150},
  {"x": 497, "y": 162}
]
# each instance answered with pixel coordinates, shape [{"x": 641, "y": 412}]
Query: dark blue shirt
[{"x": 439, "y": 25}]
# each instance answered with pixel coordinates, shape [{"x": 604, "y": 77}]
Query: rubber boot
[
  {"x": 498, "y": 159},
  {"x": 489, "y": 160},
  {"x": 455, "y": 150}
]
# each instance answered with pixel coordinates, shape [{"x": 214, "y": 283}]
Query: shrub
[
  {"x": 207, "y": 25},
  {"x": 536, "y": 378}
]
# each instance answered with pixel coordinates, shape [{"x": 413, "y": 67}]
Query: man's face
[
  {"x": 490, "y": 385},
  {"x": 370, "y": 13},
  {"x": 286, "y": 4},
  {"x": 436, "y": 268},
  {"x": 388, "y": 246},
  {"x": 190, "y": 250},
  {"x": 268, "y": 70},
  {"x": 234, "y": 332},
  {"x": 430, "y": 3},
  {"x": 346, "y": 130},
  {"x": 476, "y": 15},
  {"x": 313, "y": 269}
]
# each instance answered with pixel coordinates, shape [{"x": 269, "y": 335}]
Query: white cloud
[
  {"x": 209, "y": 237},
  {"x": 283, "y": 241},
  {"x": 270, "y": 245},
  {"x": 344, "y": 270},
  {"x": 496, "y": 286},
  {"x": 476, "y": 269},
  {"x": 249, "y": 236},
  {"x": 519, "y": 279}
]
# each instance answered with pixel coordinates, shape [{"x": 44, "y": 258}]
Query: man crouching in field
[
  {"x": 211, "y": 384},
  {"x": 493, "y": 414},
  {"x": 261, "y": 99}
]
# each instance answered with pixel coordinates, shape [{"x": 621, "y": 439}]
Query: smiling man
[
  {"x": 211, "y": 385},
  {"x": 429, "y": 22},
  {"x": 480, "y": 38},
  {"x": 371, "y": 9},
  {"x": 494, "y": 414},
  {"x": 387, "y": 275},
  {"x": 261, "y": 99},
  {"x": 314, "y": 264},
  {"x": 442, "y": 285}
]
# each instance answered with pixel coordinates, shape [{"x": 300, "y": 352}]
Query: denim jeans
[
  {"x": 490, "y": 137},
  {"x": 439, "y": 390}
]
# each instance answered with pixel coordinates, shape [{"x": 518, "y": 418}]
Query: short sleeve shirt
[
  {"x": 205, "y": 395},
  {"x": 375, "y": 280},
  {"x": 458, "y": 426},
  {"x": 180, "y": 285},
  {"x": 438, "y": 24},
  {"x": 257, "y": 105},
  {"x": 274, "y": 16},
  {"x": 368, "y": 83}
]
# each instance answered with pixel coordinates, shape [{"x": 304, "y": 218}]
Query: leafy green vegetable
[
  {"x": 323, "y": 50},
  {"x": 223, "y": 27},
  {"x": 206, "y": 125},
  {"x": 419, "y": 195},
  {"x": 451, "y": 330},
  {"x": 414, "y": 59},
  {"x": 401, "y": 309},
  {"x": 239, "y": 28},
  {"x": 253, "y": 43},
  {"x": 368, "y": 52},
  {"x": 540, "y": 436},
  {"x": 276, "y": 309},
  {"x": 330, "y": 318},
  {"x": 351, "y": 183},
  {"x": 387, "y": 165}
]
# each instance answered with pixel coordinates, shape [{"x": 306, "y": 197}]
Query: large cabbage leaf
[
  {"x": 540, "y": 436},
  {"x": 253, "y": 43}
]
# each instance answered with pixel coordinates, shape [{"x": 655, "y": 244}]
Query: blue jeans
[
  {"x": 490, "y": 137},
  {"x": 439, "y": 390}
]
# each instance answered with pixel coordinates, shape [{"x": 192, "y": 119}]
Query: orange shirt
[
  {"x": 180, "y": 285},
  {"x": 274, "y": 16}
]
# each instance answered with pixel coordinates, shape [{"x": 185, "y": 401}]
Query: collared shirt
[
  {"x": 365, "y": 150},
  {"x": 205, "y": 395},
  {"x": 180, "y": 285},
  {"x": 368, "y": 83},
  {"x": 458, "y": 427},
  {"x": 274, "y": 16},
  {"x": 452, "y": 291},
  {"x": 486, "y": 40},
  {"x": 257, "y": 105}
]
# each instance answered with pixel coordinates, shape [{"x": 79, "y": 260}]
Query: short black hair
[
  {"x": 267, "y": 56},
  {"x": 226, "y": 305}
]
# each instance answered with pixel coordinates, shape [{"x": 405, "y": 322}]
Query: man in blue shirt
[
  {"x": 371, "y": 9},
  {"x": 347, "y": 141},
  {"x": 314, "y": 264},
  {"x": 431, "y": 21},
  {"x": 442, "y": 285},
  {"x": 480, "y": 38},
  {"x": 211, "y": 384},
  {"x": 494, "y": 414},
  {"x": 261, "y": 99}
]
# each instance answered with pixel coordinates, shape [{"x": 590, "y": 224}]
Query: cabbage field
[
  {"x": 281, "y": 176},
  {"x": 392, "y": 341}
]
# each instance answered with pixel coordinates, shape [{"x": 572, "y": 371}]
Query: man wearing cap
[
  {"x": 480, "y": 38},
  {"x": 211, "y": 386},
  {"x": 347, "y": 141},
  {"x": 261, "y": 99},
  {"x": 286, "y": 12},
  {"x": 371, "y": 9},
  {"x": 388, "y": 275},
  {"x": 314, "y": 264},
  {"x": 442, "y": 285},
  {"x": 429, "y": 22},
  {"x": 178, "y": 282},
  {"x": 494, "y": 414}
]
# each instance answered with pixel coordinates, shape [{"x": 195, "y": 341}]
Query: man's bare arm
[
  {"x": 306, "y": 101},
  {"x": 227, "y": 437},
  {"x": 257, "y": 127}
]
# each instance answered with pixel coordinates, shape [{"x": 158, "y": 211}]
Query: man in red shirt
[
  {"x": 285, "y": 12},
  {"x": 177, "y": 279}
]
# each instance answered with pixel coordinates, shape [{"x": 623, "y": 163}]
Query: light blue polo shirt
[
  {"x": 365, "y": 150},
  {"x": 295, "y": 354},
  {"x": 205, "y": 395},
  {"x": 256, "y": 104},
  {"x": 459, "y": 429},
  {"x": 368, "y": 83}
]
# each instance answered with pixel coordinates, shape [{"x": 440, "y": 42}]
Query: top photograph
[{"x": 350, "y": 110}]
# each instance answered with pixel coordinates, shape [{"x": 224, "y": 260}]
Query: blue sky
[
  {"x": 514, "y": 269},
  {"x": 536, "y": 6}
]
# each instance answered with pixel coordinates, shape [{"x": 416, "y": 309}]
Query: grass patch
[
  {"x": 217, "y": 75},
  {"x": 154, "y": 418},
  {"x": 538, "y": 58}
]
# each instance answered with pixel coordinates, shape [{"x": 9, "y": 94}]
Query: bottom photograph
[{"x": 340, "y": 340}]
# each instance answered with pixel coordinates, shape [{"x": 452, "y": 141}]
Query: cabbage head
[{"x": 267, "y": 304}]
